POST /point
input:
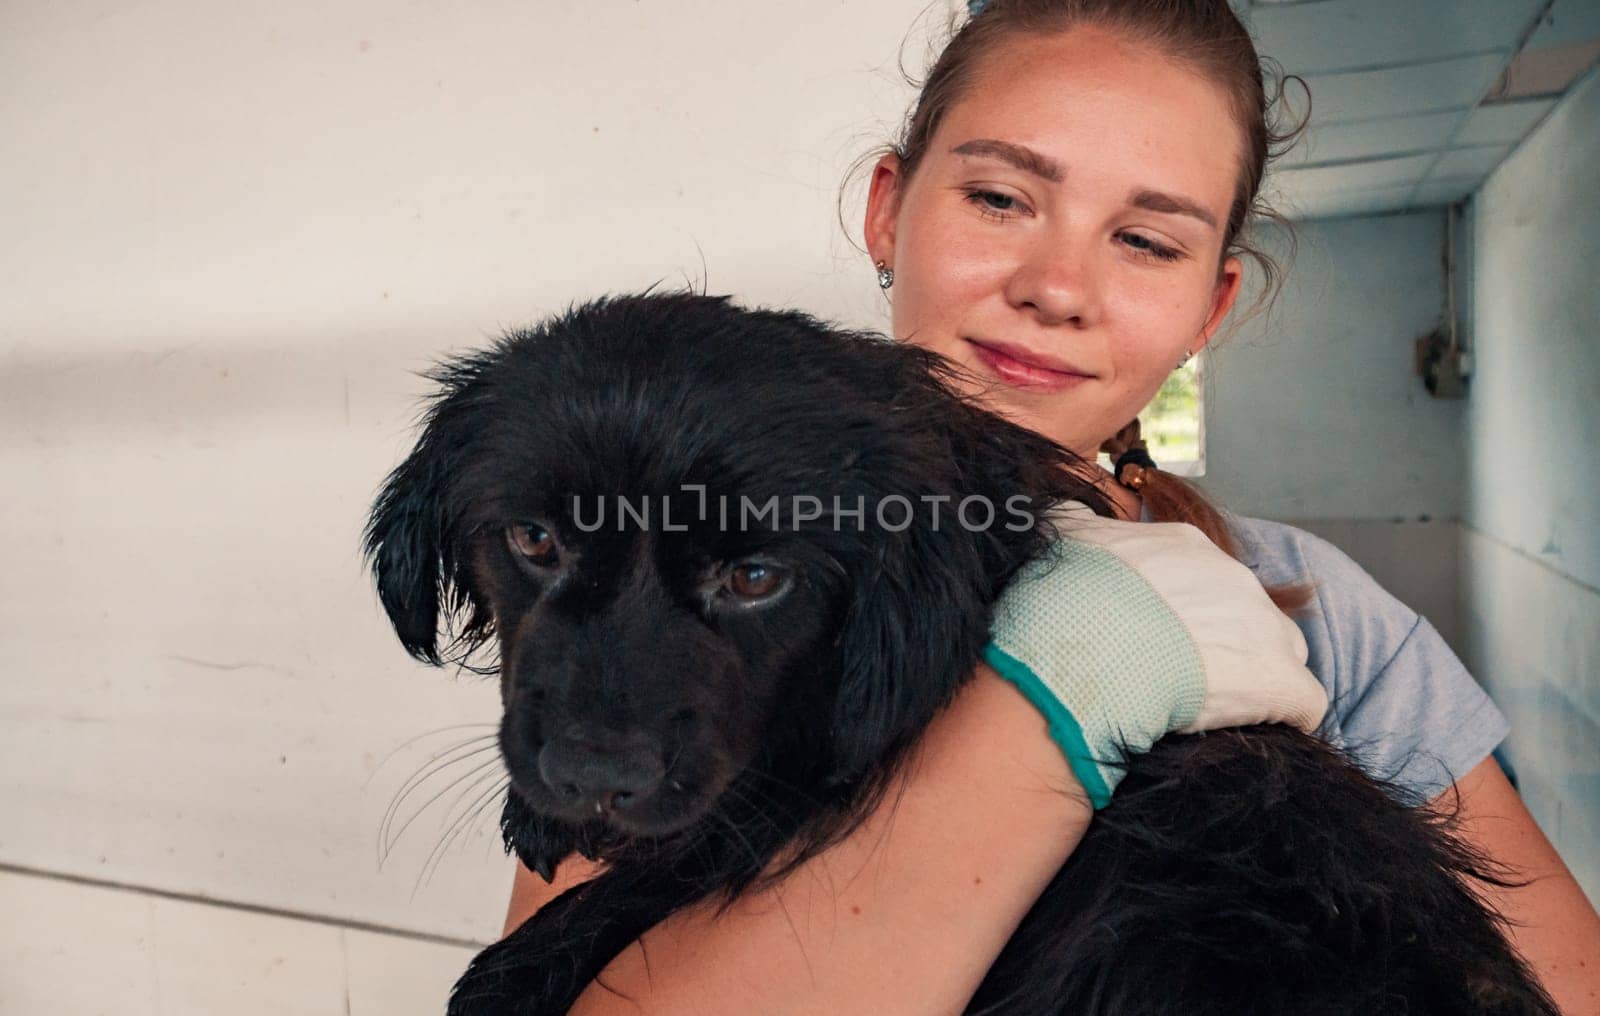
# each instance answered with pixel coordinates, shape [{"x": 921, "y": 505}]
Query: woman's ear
[
  {"x": 1223, "y": 297},
  {"x": 883, "y": 208}
]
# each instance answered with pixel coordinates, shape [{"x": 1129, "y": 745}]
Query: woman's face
[{"x": 1062, "y": 236}]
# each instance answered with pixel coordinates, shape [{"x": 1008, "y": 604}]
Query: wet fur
[{"x": 1246, "y": 871}]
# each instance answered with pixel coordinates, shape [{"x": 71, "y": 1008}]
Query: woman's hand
[
  {"x": 1129, "y": 631},
  {"x": 908, "y": 913}
]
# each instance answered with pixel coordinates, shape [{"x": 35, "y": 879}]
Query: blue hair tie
[{"x": 975, "y": 7}]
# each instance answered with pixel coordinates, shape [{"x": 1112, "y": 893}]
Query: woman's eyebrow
[
  {"x": 1156, "y": 201},
  {"x": 1030, "y": 161},
  {"x": 1025, "y": 159}
]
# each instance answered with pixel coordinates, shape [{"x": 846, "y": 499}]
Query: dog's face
[
  {"x": 639, "y": 667},
  {"x": 636, "y": 504}
]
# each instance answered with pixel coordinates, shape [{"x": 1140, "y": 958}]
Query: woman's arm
[
  {"x": 751, "y": 957},
  {"x": 906, "y": 915},
  {"x": 1550, "y": 921},
  {"x": 529, "y": 892},
  {"x": 909, "y": 913}
]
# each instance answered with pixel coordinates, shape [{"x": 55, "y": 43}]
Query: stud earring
[
  {"x": 1187, "y": 356},
  {"x": 885, "y": 276}
]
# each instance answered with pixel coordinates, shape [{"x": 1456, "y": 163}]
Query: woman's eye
[
  {"x": 534, "y": 542},
  {"x": 753, "y": 581},
  {"x": 994, "y": 204},
  {"x": 1147, "y": 247}
]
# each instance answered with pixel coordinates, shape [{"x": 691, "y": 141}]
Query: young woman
[{"x": 1065, "y": 216}]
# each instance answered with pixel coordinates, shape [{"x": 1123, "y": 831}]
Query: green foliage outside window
[{"x": 1170, "y": 425}]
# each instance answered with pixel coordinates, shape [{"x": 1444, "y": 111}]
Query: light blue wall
[
  {"x": 1531, "y": 560},
  {"x": 1314, "y": 415},
  {"x": 1534, "y": 425},
  {"x": 1313, "y": 411}
]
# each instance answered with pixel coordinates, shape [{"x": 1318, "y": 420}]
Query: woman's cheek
[
  {"x": 1155, "y": 346},
  {"x": 1127, "y": 402}
]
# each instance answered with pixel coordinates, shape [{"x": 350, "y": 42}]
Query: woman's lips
[{"x": 1011, "y": 365}]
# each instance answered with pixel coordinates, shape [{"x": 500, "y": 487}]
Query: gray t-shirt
[{"x": 1400, "y": 701}]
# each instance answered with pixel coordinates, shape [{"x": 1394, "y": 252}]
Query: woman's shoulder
[
  {"x": 1356, "y": 624},
  {"x": 1397, "y": 689},
  {"x": 1281, "y": 554}
]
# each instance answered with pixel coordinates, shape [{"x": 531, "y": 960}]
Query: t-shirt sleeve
[
  {"x": 1401, "y": 702},
  {"x": 1421, "y": 721}
]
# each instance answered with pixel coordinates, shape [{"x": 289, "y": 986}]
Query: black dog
[{"x": 707, "y": 547}]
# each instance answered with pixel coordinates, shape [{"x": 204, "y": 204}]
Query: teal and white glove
[{"x": 1127, "y": 631}]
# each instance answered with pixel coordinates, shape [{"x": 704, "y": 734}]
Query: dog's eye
[
  {"x": 753, "y": 581},
  {"x": 534, "y": 542}
]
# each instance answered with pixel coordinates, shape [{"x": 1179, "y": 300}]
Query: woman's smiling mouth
[{"x": 1023, "y": 368}]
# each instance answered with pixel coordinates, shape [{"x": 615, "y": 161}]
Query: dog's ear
[
  {"x": 404, "y": 547},
  {"x": 920, "y": 618},
  {"x": 412, "y": 540},
  {"x": 917, "y": 623}
]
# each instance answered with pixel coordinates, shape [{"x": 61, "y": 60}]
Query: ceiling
[{"x": 1415, "y": 102}]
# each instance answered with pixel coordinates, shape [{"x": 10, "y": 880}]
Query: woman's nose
[{"x": 1056, "y": 281}]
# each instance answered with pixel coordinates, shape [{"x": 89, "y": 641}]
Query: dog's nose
[{"x": 600, "y": 776}]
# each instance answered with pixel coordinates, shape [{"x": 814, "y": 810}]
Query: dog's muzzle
[{"x": 602, "y": 776}]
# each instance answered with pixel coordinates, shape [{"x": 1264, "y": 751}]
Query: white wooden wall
[{"x": 230, "y": 234}]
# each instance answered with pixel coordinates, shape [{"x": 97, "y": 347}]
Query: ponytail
[{"x": 1169, "y": 498}]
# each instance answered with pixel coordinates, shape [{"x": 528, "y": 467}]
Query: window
[{"x": 1171, "y": 425}]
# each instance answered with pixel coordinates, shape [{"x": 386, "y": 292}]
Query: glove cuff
[{"x": 1064, "y": 728}]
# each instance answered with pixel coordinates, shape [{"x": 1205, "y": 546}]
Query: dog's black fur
[{"x": 670, "y": 710}]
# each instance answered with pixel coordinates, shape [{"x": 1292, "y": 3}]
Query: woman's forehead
[{"x": 1094, "y": 99}]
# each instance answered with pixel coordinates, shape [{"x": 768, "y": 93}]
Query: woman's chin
[
  {"x": 1062, "y": 432},
  {"x": 1043, "y": 412}
]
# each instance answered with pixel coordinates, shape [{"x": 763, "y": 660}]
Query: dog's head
[{"x": 703, "y": 538}]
